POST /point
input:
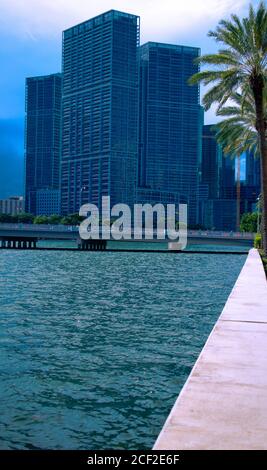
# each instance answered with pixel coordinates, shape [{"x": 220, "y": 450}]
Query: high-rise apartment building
[
  {"x": 228, "y": 178},
  {"x": 251, "y": 185},
  {"x": 170, "y": 126},
  {"x": 211, "y": 165},
  {"x": 253, "y": 171},
  {"x": 100, "y": 111},
  {"x": 218, "y": 207},
  {"x": 220, "y": 214},
  {"x": 42, "y": 137}
]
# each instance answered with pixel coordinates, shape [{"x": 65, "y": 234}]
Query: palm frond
[
  {"x": 243, "y": 55},
  {"x": 237, "y": 132}
]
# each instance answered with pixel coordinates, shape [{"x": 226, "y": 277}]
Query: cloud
[{"x": 159, "y": 19}]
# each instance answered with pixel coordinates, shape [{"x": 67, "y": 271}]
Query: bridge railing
[
  {"x": 220, "y": 234},
  {"x": 75, "y": 228},
  {"x": 39, "y": 227}
]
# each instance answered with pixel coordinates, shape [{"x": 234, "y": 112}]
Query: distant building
[
  {"x": 220, "y": 214},
  {"x": 48, "y": 201},
  {"x": 218, "y": 170},
  {"x": 42, "y": 137},
  {"x": 211, "y": 165},
  {"x": 100, "y": 111},
  {"x": 203, "y": 195},
  {"x": 170, "y": 126},
  {"x": 253, "y": 171},
  {"x": 228, "y": 178},
  {"x": 218, "y": 204},
  {"x": 13, "y": 205},
  {"x": 251, "y": 186}
]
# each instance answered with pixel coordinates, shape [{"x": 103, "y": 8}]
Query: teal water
[
  {"x": 140, "y": 245},
  {"x": 95, "y": 347}
]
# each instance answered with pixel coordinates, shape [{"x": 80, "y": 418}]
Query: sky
[{"x": 30, "y": 45}]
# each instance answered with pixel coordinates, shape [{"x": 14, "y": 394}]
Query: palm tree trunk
[
  {"x": 257, "y": 85},
  {"x": 238, "y": 195},
  {"x": 264, "y": 193}
]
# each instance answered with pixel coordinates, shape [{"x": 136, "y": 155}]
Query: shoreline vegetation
[{"x": 264, "y": 261}]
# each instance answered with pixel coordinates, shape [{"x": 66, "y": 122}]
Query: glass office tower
[
  {"x": 170, "y": 126},
  {"x": 253, "y": 171},
  {"x": 100, "y": 111},
  {"x": 228, "y": 178},
  {"x": 219, "y": 208},
  {"x": 211, "y": 165},
  {"x": 251, "y": 185},
  {"x": 42, "y": 137}
]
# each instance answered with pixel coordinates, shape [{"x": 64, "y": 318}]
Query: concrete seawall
[{"x": 223, "y": 404}]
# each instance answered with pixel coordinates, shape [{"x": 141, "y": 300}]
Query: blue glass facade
[
  {"x": 170, "y": 126},
  {"x": 218, "y": 208},
  {"x": 251, "y": 186},
  {"x": 227, "y": 178},
  {"x": 100, "y": 111},
  {"x": 250, "y": 181},
  {"x": 211, "y": 165},
  {"x": 48, "y": 201},
  {"x": 220, "y": 214},
  {"x": 253, "y": 171},
  {"x": 42, "y": 136}
]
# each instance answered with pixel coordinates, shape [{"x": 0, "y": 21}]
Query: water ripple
[{"x": 96, "y": 346}]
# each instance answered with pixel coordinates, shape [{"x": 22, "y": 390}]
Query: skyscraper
[
  {"x": 253, "y": 171},
  {"x": 42, "y": 137},
  {"x": 227, "y": 178},
  {"x": 211, "y": 164},
  {"x": 218, "y": 208},
  {"x": 251, "y": 186},
  {"x": 170, "y": 126},
  {"x": 100, "y": 111}
]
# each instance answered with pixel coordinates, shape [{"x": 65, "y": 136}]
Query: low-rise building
[{"x": 13, "y": 205}]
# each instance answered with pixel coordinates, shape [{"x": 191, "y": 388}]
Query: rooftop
[{"x": 88, "y": 24}]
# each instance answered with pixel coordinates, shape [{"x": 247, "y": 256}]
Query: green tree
[
  {"x": 72, "y": 219},
  {"x": 41, "y": 219},
  {"x": 54, "y": 219},
  {"x": 237, "y": 132},
  {"x": 249, "y": 222},
  {"x": 6, "y": 219},
  {"x": 241, "y": 67},
  {"x": 65, "y": 220},
  {"x": 24, "y": 218}
]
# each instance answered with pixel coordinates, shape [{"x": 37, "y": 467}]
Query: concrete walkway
[{"x": 223, "y": 404}]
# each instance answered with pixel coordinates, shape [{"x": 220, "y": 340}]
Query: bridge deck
[{"x": 62, "y": 232}]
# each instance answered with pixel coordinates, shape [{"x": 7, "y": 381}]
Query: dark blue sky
[
  {"x": 20, "y": 58},
  {"x": 30, "y": 44}
]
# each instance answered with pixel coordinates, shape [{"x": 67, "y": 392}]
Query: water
[
  {"x": 140, "y": 245},
  {"x": 95, "y": 347}
]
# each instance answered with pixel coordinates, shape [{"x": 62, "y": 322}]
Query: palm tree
[
  {"x": 237, "y": 132},
  {"x": 241, "y": 67}
]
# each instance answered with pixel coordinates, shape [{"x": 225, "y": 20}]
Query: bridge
[{"x": 23, "y": 236}]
